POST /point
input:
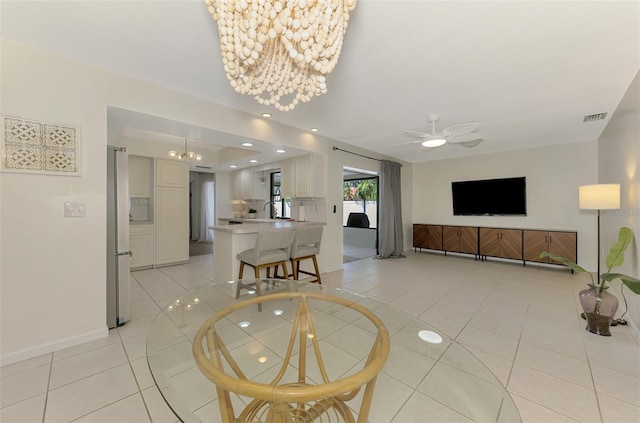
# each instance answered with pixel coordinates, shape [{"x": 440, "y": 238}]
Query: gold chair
[
  {"x": 297, "y": 401},
  {"x": 272, "y": 249}
]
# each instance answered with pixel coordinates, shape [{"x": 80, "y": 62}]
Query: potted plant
[
  {"x": 599, "y": 306},
  {"x": 251, "y": 213}
]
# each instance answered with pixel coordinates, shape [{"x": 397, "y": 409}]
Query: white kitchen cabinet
[
  {"x": 171, "y": 212},
  {"x": 303, "y": 176},
  {"x": 172, "y": 225},
  {"x": 172, "y": 173},
  {"x": 139, "y": 177},
  {"x": 242, "y": 184},
  {"x": 141, "y": 246}
]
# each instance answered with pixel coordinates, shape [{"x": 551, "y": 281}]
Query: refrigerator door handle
[{"x": 124, "y": 253}]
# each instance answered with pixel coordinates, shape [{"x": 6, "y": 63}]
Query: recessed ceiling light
[
  {"x": 247, "y": 144},
  {"x": 280, "y": 151},
  {"x": 266, "y": 115},
  {"x": 233, "y": 166},
  {"x": 253, "y": 161},
  {"x": 314, "y": 129}
]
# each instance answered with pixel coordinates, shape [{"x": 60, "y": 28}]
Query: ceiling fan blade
[
  {"x": 470, "y": 144},
  {"x": 416, "y": 134},
  {"x": 406, "y": 142},
  {"x": 464, "y": 138},
  {"x": 461, "y": 129}
]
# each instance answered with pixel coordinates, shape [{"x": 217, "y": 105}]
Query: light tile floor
[{"x": 522, "y": 322}]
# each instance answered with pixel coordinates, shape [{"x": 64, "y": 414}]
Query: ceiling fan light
[{"x": 434, "y": 142}]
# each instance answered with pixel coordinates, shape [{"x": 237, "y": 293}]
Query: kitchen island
[{"x": 229, "y": 240}]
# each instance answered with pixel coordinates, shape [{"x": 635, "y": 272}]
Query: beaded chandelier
[{"x": 280, "y": 51}]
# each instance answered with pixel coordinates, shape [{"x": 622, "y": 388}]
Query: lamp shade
[{"x": 600, "y": 196}]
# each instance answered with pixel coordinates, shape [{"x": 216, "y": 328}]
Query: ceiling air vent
[
  {"x": 209, "y": 167},
  {"x": 597, "y": 116}
]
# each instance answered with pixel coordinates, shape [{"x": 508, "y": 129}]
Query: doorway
[
  {"x": 359, "y": 214},
  {"x": 201, "y": 212}
]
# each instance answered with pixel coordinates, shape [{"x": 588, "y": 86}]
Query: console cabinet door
[
  {"x": 511, "y": 243},
  {"x": 420, "y": 236},
  {"x": 468, "y": 240},
  {"x": 461, "y": 239},
  {"x": 505, "y": 243},
  {"x": 535, "y": 242},
  {"x": 564, "y": 244},
  {"x": 434, "y": 237},
  {"x": 450, "y": 238},
  {"x": 490, "y": 242}
]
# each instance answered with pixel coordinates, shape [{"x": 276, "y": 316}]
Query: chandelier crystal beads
[{"x": 280, "y": 51}]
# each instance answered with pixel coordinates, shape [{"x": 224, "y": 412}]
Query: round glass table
[{"x": 345, "y": 337}]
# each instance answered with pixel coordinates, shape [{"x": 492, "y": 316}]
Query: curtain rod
[{"x": 357, "y": 154}]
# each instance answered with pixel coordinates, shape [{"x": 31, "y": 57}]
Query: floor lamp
[{"x": 599, "y": 197}]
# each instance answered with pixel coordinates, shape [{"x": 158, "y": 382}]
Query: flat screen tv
[{"x": 488, "y": 197}]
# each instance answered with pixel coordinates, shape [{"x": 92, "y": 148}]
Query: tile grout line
[
  {"x": 135, "y": 377},
  {"x": 46, "y": 396}
]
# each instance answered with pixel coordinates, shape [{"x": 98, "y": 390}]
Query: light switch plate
[{"x": 74, "y": 209}]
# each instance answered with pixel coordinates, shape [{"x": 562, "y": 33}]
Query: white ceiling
[{"x": 527, "y": 72}]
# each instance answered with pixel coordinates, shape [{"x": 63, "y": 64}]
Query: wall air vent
[{"x": 597, "y": 116}]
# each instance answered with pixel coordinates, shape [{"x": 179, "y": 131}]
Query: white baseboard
[
  {"x": 335, "y": 268},
  {"x": 634, "y": 330},
  {"x": 49, "y": 347}
]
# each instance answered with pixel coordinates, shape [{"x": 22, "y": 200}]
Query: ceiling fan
[{"x": 457, "y": 134}]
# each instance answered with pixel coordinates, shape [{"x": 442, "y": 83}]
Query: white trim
[
  {"x": 39, "y": 350},
  {"x": 634, "y": 330}
]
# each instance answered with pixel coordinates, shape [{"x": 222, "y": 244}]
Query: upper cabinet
[
  {"x": 172, "y": 173},
  {"x": 242, "y": 184},
  {"x": 139, "y": 177},
  {"x": 298, "y": 173}
]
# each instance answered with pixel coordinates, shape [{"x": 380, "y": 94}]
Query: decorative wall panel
[{"x": 40, "y": 147}]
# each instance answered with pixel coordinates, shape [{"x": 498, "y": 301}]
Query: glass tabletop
[{"x": 421, "y": 360}]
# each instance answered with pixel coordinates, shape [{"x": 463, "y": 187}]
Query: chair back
[
  {"x": 306, "y": 237},
  {"x": 274, "y": 239},
  {"x": 358, "y": 220}
]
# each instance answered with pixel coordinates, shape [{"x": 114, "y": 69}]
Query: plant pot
[
  {"x": 251, "y": 215},
  {"x": 599, "y": 308}
]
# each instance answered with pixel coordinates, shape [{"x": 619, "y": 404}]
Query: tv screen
[{"x": 506, "y": 196}]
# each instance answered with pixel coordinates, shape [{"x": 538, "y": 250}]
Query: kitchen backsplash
[{"x": 309, "y": 209}]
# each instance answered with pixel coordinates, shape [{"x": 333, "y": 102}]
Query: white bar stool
[{"x": 272, "y": 249}]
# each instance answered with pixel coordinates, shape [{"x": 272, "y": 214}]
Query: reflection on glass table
[{"x": 439, "y": 375}]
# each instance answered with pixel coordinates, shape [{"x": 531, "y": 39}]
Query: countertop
[
  {"x": 261, "y": 226},
  {"x": 247, "y": 220}
]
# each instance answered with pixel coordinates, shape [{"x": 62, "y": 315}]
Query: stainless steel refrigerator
[{"x": 118, "y": 253}]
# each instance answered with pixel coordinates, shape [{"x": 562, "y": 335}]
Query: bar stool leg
[{"x": 315, "y": 266}]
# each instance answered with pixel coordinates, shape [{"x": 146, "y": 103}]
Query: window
[
  {"x": 281, "y": 206},
  {"x": 360, "y": 196}
]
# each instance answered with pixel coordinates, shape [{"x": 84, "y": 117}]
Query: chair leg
[
  {"x": 315, "y": 266},
  {"x": 241, "y": 270},
  {"x": 256, "y": 272},
  {"x": 239, "y": 284}
]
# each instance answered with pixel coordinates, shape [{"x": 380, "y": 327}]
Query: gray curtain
[
  {"x": 207, "y": 207},
  {"x": 391, "y": 241}
]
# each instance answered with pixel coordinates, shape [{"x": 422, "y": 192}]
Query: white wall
[
  {"x": 52, "y": 269},
  {"x": 553, "y": 176},
  {"x": 619, "y": 162}
]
